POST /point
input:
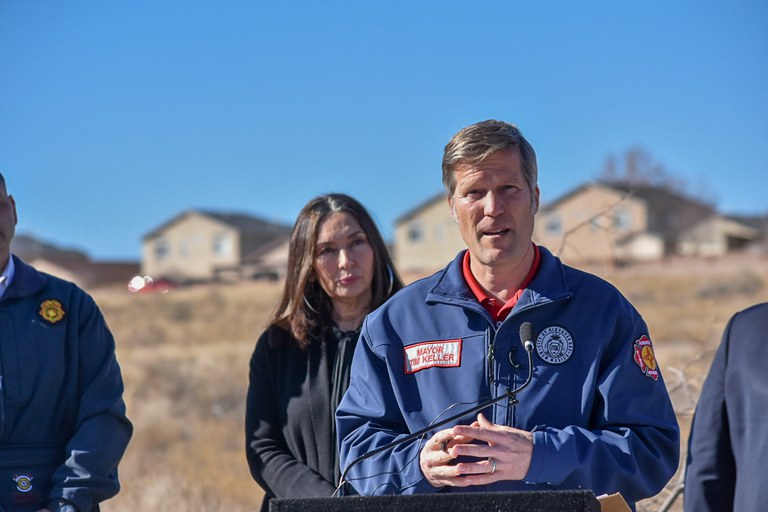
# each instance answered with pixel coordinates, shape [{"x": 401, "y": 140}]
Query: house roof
[
  {"x": 256, "y": 255},
  {"x": 650, "y": 193},
  {"x": 439, "y": 197},
  {"x": 245, "y": 223},
  {"x": 87, "y": 272},
  {"x": 571, "y": 193},
  {"x": 658, "y": 194},
  {"x": 758, "y": 222},
  {"x": 670, "y": 212},
  {"x": 29, "y": 248}
]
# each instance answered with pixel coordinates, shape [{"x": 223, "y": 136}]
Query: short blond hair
[{"x": 479, "y": 141}]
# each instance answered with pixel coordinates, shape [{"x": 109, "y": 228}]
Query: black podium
[{"x": 528, "y": 501}]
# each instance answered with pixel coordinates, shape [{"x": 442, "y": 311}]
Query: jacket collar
[
  {"x": 549, "y": 285},
  {"x": 26, "y": 280}
]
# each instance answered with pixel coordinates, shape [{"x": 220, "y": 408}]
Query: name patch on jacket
[{"x": 444, "y": 353}]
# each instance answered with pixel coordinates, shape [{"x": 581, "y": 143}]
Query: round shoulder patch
[{"x": 554, "y": 345}]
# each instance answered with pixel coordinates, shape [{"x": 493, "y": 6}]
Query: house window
[
  {"x": 415, "y": 232},
  {"x": 162, "y": 249},
  {"x": 622, "y": 219},
  {"x": 222, "y": 245},
  {"x": 553, "y": 226}
]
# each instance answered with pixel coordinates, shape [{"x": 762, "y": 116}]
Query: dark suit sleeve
[
  {"x": 710, "y": 476},
  {"x": 271, "y": 463}
]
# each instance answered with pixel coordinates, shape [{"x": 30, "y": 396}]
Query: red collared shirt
[{"x": 498, "y": 310}]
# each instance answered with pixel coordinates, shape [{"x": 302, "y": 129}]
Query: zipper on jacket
[
  {"x": 511, "y": 406},
  {"x": 490, "y": 358}
]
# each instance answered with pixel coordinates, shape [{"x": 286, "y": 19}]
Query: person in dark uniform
[
  {"x": 728, "y": 445},
  {"x": 338, "y": 271},
  {"x": 63, "y": 427}
]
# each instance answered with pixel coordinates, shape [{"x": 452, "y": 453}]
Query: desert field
[{"x": 185, "y": 354}]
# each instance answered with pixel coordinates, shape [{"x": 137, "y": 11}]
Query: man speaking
[{"x": 596, "y": 414}]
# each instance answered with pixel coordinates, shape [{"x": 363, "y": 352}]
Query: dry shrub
[{"x": 184, "y": 357}]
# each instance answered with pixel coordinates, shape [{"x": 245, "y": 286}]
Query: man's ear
[
  {"x": 452, "y": 206},
  {"x": 13, "y": 205}
]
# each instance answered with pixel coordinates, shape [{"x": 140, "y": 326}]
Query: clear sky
[{"x": 117, "y": 115}]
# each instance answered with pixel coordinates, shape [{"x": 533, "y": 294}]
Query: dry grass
[{"x": 185, "y": 357}]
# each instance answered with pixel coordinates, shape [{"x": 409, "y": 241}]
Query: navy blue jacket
[
  {"x": 728, "y": 445},
  {"x": 598, "y": 407},
  {"x": 63, "y": 427}
]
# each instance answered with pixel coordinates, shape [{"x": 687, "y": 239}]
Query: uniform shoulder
[{"x": 757, "y": 314}]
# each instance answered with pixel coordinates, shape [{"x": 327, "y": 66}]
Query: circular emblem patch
[
  {"x": 554, "y": 345},
  {"x": 23, "y": 483},
  {"x": 51, "y": 310}
]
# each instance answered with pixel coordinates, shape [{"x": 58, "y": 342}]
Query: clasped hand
[{"x": 510, "y": 448}]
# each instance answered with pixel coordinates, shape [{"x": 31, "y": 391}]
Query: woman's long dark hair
[{"x": 305, "y": 309}]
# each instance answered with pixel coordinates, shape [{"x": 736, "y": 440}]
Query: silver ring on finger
[{"x": 493, "y": 465}]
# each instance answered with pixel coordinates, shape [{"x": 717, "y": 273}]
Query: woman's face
[{"x": 343, "y": 262}]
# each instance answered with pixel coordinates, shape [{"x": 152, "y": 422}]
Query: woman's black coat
[{"x": 289, "y": 441}]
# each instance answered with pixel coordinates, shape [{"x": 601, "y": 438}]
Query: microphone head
[
  {"x": 526, "y": 336},
  {"x": 526, "y": 332}
]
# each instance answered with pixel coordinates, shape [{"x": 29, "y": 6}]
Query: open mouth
[{"x": 495, "y": 232}]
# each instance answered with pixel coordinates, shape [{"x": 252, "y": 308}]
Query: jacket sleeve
[
  {"x": 272, "y": 464},
  {"x": 711, "y": 468},
  {"x": 89, "y": 473},
  {"x": 631, "y": 443},
  {"x": 369, "y": 418}
]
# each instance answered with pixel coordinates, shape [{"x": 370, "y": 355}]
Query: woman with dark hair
[{"x": 339, "y": 270}]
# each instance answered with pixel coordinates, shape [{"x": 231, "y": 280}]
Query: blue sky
[{"x": 116, "y": 116}]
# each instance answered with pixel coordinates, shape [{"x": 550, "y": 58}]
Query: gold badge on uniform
[{"x": 51, "y": 310}]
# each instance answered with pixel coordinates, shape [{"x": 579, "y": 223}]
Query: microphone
[
  {"x": 526, "y": 336},
  {"x": 526, "y": 333}
]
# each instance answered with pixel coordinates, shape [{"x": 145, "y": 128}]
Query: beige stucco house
[
  {"x": 716, "y": 235},
  {"x": 594, "y": 223},
  {"x": 624, "y": 223},
  {"x": 199, "y": 245},
  {"x": 426, "y": 238},
  {"x": 72, "y": 265}
]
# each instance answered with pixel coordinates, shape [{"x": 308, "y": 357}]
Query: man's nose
[{"x": 492, "y": 205}]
